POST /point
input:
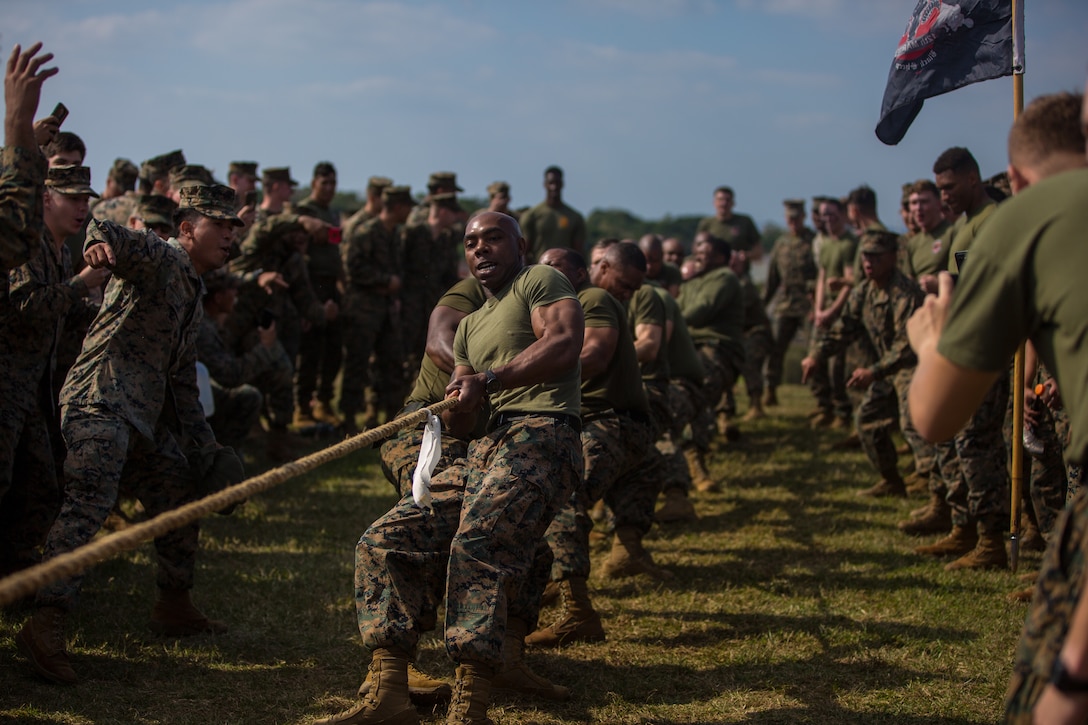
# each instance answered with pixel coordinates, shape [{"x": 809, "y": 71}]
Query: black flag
[{"x": 948, "y": 44}]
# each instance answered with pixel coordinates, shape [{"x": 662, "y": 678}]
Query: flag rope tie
[{"x": 30, "y": 580}]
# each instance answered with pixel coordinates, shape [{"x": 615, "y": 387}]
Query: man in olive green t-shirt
[
  {"x": 737, "y": 229},
  {"x": 552, "y": 223}
]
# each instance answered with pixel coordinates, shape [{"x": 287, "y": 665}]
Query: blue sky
[{"x": 647, "y": 104}]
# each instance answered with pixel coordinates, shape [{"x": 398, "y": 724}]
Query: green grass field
[{"x": 794, "y": 602}]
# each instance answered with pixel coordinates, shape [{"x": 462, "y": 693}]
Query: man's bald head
[
  {"x": 569, "y": 262},
  {"x": 654, "y": 251}
]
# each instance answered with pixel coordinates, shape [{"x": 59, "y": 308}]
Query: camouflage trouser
[
  {"x": 371, "y": 326},
  {"x": 1057, "y": 591},
  {"x": 784, "y": 329},
  {"x": 320, "y": 353},
  {"x": 690, "y": 420},
  {"x": 237, "y": 410},
  {"x": 614, "y": 447},
  {"x": 664, "y": 463},
  {"x": 1046, "y": 472},
  {"x": 1074, "y": 471},
  {"x": 757, "y": 346},
  {"x": 980, "y": 493},
  {"x": 490, "y": 514},
  {"x": 721, "y": 374},
  {"x": 400, "y": 454},
  {"x": 884, "y": 403},
  {"x": 103, "y": 450},
  {"x": 829, "y": 381},
  {"x": 29, "y": 490}
]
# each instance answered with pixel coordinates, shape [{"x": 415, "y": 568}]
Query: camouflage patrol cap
[
  {"x": 817, "y": 200},
  {"x": 878, "y": 241},
  {"x": 498, "y": 187},
  {"x": 221, "y": 279},
  {"x": 397, "y": 195},
  {"x": 156, "y": 209},
  {"x": 277, "y": 174},
  {"x": 158, "y": 166},
  {"x": 124, "y": 172},
  {"x": 794, "y": 207},
  {"x": 443, "y": 179},
  {"x": 243, "y": 168},
  {"x": 190, "y": 174},
  {"x": 215, "y": 202},
  {"x": 446, "y": 201},
  {"x": 377, "y": 183},
  {"x": 70, "y": 180}
]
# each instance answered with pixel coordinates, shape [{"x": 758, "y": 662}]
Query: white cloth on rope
[{"x": 429, "y": 453}]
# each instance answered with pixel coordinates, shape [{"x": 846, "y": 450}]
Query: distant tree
[{"x": 622, "y": 224}]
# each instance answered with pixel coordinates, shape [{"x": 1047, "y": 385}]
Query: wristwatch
[
  {"x": 492, "y": 384},
  {"x": 1065, "y": 682}
]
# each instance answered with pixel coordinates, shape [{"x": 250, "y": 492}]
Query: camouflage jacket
[
  {"x": 22, "y": 181},
  {"x": 371, "y": 256},
  {"x": 139, "y": 357},
  {"x": 791, "y": 275},
  {"x": 755, "y": 314},
  {"x": 41, "y": 292},
  {"x": 878, "y": 317},
  {"x": 118, "y": 209},
  {"x": 430, "y": 263},
  {"x": 230, "y": 370},
  {"x": 322, "y": 258}
]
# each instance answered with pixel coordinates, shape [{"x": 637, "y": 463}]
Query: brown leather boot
[
  {"x": 471, "y": 696},
  {"x": 936, "y": 520},
  {"x": 578, "y": 622},
  {"x": 989, "y": 553},
  {"x": 174, "y": 615},
  {"x": 959, "y": 541},
  {"x": 700, "y": 476},
  {"x": 550, "y": 595},
  {"x": 42, "y": 641},
  {"x": 516, "y": 678},
  {"x": 422, "y": 688},
  {"x": 387, "y": 701},
  {"x": 628, "y": 558},
  {"x": 677, "y": 508}
]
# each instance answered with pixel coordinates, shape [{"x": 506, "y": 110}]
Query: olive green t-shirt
[
  {"x": 965, "y": 231},
  {"x": 1026, "y": 279},
  {"x": 713, "y": 307},
  {"x": 740, "y": 231},
  {"x": 684, "y": 359},
  {"x": 547, "y": 228},
  {"x": 646, "y": 308},
  {"x": 927, "y": 252},
  {"x": 836, "y": 256},
  {"x": 669, "y": 276},
  {"x": 466, "y": 296},
  {"x": 619, "y": 385},
  {"x": 496, "y": 333}
]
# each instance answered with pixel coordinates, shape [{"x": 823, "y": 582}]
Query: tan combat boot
[
  {"x": 726, "y": 429},
  {"x": 989, "y": 552},
  {"x": 422, "y": 688},
  {"x": 628, "y": 558},
  {"x": 387, "y": 702},
  {"x": 937, "y": 519},
  {"x": 916, "y": 483},
  {"x": 677, "y": 508},
  {"x": 471, "y": 696},
  {"x": 175, "y": 615},
  {"x": 959, "y": 541},
  {"x": 822, "y": 420},
  {"x": 578, "y": 622},
  {"x": 886, "y": 488},
  {"x": 516, "y": 678},
  {"x": 700, "y": 476},
  {"x": 322, "y": 412},
  {"x": 755, "y": 410},
  {"x": 42, "y": 641}
]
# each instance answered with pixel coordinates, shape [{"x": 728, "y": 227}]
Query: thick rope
[{"x": 29, "y": 581}]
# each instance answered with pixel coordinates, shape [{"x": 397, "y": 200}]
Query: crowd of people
[{"x": 151, "y": 335}]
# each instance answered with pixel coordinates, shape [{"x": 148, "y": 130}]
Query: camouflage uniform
[
  {"x": 370, "y": 259},
  {"x": 714, "y": 311},
  {"x": 617, "y": 446},
  {"x": 489, "y": 513},
  {"x": 32, "y": 315},
  {"x": 688, "y": 420},
  {"x": 236, "y": 379},
  {"x": 836, "y": 256},
  {"x": 429, "y": 264},
  {"x": 980, "y": 492},
  {"x": 118, "y": 209},
  {"x": 880, "y": 316},
  {"x": 132, "y": 387},
  {"x": 791, "y": 279},
  {"x": 757, "y": 339},
  {"x": 22, "y": 177},
  {"x": 320, "y": 348}
]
